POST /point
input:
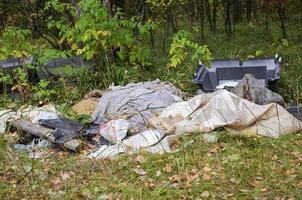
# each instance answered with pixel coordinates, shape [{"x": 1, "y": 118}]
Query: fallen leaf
[
  {"x": 192, "y": 178},
  {"x": 65, "y": 176},
  {"x": 140, "y": 159},
  {"x": 56, "y": 181},
  {"x": 140, "y": 172},
  {"x": 206, "y": 177},
  {"x": 205, "y": 194},
  {"x": 168, "y": 168},
  {"x": 274, "y": 158},
  {"x": 158, "y": 173},
  {"x": 207, "y": 169},
  {"x": 263, "y": 190},
  {"x": 105, "y": 197},
  {"x": 233, "y": 180},
  {"x": 175, "y": 178}
]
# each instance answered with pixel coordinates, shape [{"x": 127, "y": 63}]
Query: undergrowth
[{"x": 235, "y": 167}]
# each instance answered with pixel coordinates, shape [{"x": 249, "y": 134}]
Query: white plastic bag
[{"x": 115, "y": 130}]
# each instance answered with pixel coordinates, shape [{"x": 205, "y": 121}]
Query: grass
[{"x": 233, "y": 168}]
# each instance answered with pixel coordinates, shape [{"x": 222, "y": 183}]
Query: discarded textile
[
  {"x": 34, "y": 114},
  {"x": 223, "y": 109},
  {"x": 152, "y": 141},
  {"x": 5, "y": 115},
  {"x": 136, "y": 102},
  {"x": 144, "y": 139},
  {"x": 115, "y": 130},
  {"x": 106, "y": 151},
  {"x": 64, "y": 129},
  {"x": 253, "y": 90}
]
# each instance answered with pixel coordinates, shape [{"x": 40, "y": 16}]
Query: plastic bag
[{"x": 115, "y": 130}]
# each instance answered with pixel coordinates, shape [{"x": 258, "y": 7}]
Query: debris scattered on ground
[
  {"x": 106, "y": 151},
  {"x": 149, "y": 116},
  {"x": 253, "y": 90},
  {"x": 87, "y": 105},
  {"x": 43, "y": 132}
]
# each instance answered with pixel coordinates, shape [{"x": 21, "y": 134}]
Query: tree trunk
[
  {"x": 281, "y": 11},
  {"x": 237, "y": 11},
  {"x": 209, "y": 14},
  {"x": 215, "y": 4},
  {"x": 201, "y": 13},
  {"x": 227, "y": 21},
  {"x": 255, "y": 10},
  {"x": 172, "y": 21},
  {"x": 248, "y": 10}
]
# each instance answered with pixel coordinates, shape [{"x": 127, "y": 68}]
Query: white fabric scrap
[
  {"x": 34, "y": 114},
  {"x": 106, "y": 151},
  {"x": 5, "y": 115},
  {"x": 144, "y": 139}
]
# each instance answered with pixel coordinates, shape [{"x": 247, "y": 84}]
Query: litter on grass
[{"x": 149, "y": 116}]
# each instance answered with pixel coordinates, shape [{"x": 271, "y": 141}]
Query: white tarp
[{"x": 207, "y": 112}]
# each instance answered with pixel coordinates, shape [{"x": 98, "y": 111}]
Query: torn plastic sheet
[
  {"x": 144, "y": 139},
  {"x": 106, "y": 151},
  {"x": 115, "y": 130},
  {"x": 151, "y": 140},
  {"x": 162, "y": 147},
  {"x": 34, "y": 114},
  {"x": 5, "y": 115}
]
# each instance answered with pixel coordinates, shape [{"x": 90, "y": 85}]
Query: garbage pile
[
  {"x": 151, "y": 115},
  {"x": 120, "y": 121}
]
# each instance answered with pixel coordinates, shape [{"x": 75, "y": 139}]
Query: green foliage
[
  {"x": 42, "y": 92},
  {"x": 257, "y": 53},
  {"x": 163, "y": 8},
  {"x": 21, "y": 84},
  {"x": 98, "y": 36},
  {"x": 184, "y": 49},
  {"x": 14, "y": 42},
  {"x": 5, "y": 78}
]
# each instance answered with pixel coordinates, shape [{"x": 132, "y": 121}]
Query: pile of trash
[{"x": 150, "y": 115}]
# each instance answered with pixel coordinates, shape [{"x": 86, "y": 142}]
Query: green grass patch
[{"x": 235, "y": 167}]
